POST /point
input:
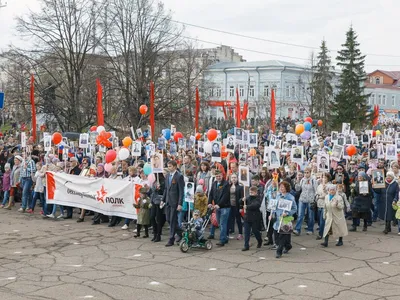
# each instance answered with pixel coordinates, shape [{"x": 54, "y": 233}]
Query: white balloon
[
  {"x": 123, "y": 154},
  {"x": 208, "y": 147},
  {"x": 100, "y": 129}
]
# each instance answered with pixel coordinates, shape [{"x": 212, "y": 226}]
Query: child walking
[
  {"x": 6, "y": 184},
  {"x": 143, "y": 219},
  {"x": 252, "y": 218},
  {"x": 200, "y": 201},
  {"x": 396, "y": 207}
]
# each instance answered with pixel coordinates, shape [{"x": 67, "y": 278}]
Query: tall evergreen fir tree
[
  {"x": 350, "y": 104},
  {"x": 321, "y": 84}
]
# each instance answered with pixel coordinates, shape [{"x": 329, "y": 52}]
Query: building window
[
  {"x": 383, "y": 99},
  {"x": 231, "y": 91},
  {"x": 393, "y": 100},
  {"x": 241, "y": 91},
  {"x": 377, "y": 80},
  {"x": 372, "y": 99},
  {"x": 293, "y": 92},
  {"x": 303, "y": 92},
  {"x": 251, "y": 91},
  {"x": 266, "y": 91},
  {"x": 287, "y": 91},
  {"x": 219, "y": 92},
  {"x": 379, "y": 99},
  {"x": 211, "y": 92}
]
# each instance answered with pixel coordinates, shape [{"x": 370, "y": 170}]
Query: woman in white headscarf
[{"x": 335, "y": 222}]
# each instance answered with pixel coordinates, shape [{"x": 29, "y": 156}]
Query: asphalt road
[{"x": 62, "y": 259}]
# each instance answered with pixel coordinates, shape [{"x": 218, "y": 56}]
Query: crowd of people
[{"x": 312, "y": 187}]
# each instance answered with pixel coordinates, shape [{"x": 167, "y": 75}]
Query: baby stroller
[{"x": 189, "y": 238}]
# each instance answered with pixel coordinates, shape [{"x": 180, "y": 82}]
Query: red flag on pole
[
  {"x": 245, "y": 110},
  {"x": 237, "y": 109},
  {"x": 273, "y": 110},
  {"x": 152, "y": 109},
  {"x": 32, "y": 98},
  {"x": 100, "y": 116},
  {"x": 197, "y": 112},
  {"x": 224, "y": 109}
]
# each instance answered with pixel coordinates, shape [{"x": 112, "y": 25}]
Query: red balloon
[
  {"x": 178, "y": 135},
  {"x": 56, "y": 138},
  {"x": 373, "y": 133},
  {"x": 198, "y": 136},
  {"x": 319, "y": 123},
  {"x": 143, "y": 109},
  {"x": 111, "y": 155},
  {"x": 308, "y": 119},
  {"x": 351, "y": 150},
  {"x": 212, "y": 134},
  {"x": 93, "y": 128}
]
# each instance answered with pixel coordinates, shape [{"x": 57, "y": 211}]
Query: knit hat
[
  {"x": 7, "y": 166},
  {"x": 199, "y": 189}
]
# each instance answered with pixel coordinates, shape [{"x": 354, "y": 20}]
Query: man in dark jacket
[
  {"x": 172, "y": 198},
  {"x": 220, "y": 196},
  {"x": 252, "y": 217}
]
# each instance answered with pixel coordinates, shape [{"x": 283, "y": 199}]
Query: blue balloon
[
  {"x": 61, "y": 147},
  {"x": 307, "y": 126},
  {"x": 147, "y": 169},
  {"x": 166, "y": 133}
]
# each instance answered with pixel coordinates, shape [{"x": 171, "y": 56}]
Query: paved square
[{"x": 62, "y": 259}]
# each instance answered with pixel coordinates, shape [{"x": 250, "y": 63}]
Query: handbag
[{"x": 213, "y": 218}]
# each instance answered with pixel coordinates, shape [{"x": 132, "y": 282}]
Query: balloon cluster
[{"x": 304, "y": 130}]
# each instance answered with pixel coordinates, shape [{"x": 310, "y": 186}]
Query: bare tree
[
  {"x": 61, "y": 34},
  {"x": 139, "y": 44}
]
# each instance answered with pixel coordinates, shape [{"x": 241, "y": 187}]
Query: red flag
[
  {"x": 375, "y": 118},
  {"x": 237, "y": 109},
  {"x": 224, "y": 109},
  {"x": 273, "y": 110},
  {"x": 245, "y": 110},
  {"x": 32, "y": 97},
  {"x": 197, "y": 113},
  {"x": 100, "y": 116},
  {"x": 152, "y": 108}
]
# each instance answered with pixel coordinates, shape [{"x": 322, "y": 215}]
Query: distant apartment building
[{"x": 384, "y": 89}]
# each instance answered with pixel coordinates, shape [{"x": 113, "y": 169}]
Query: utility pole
[{"x": 2, "y": 5}]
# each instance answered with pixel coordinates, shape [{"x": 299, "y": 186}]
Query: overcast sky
[{"x": 304, "y": 22}]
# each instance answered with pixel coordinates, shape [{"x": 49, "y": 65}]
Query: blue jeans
[
  {"x": 5, "y": 198},
  {"x": 377, "y": 199},
  {"x": 302, "y": 210},
  {"x": 44, "y": 203},
  {"x": 321, "y": 221},
  {"x": 26, "y": 183},
  {"x": 222, "y": 218},
  {"x": 181, "y": 217},
  {"x": 55, "y": 209},
  {"x": 36, "y": 196}
]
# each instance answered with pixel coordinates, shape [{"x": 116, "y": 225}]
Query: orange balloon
[
  {"x": 252, "y": 152},
  {"x": 319, "y": 123},
  {"x": 212, "y": 134},
  {"x": 351, "y": 150},
  {"x": 143, "y": 109},
  {"x": 56, "y": 138},
  {"x": 299, "y": 129},
  {"x": 127, "y": 141},
  {"x": 198, "y": 136}
]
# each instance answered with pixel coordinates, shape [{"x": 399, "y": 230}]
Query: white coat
[{"x": 334, "y": 216}]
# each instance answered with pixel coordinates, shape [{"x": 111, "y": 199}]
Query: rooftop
[
  {"x": 255, "y": 64},
  {"x": 392, "y": 74}
]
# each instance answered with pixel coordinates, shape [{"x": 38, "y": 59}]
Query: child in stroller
[{"x": 193, "y": 236}]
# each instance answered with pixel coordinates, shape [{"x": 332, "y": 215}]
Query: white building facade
[{"x": 254, "y": 81}]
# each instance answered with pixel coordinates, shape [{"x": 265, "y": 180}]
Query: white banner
[{"x": 110, "y": 197}]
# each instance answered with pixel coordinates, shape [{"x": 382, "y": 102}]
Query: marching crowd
[{"x": 291, "y": 198}]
